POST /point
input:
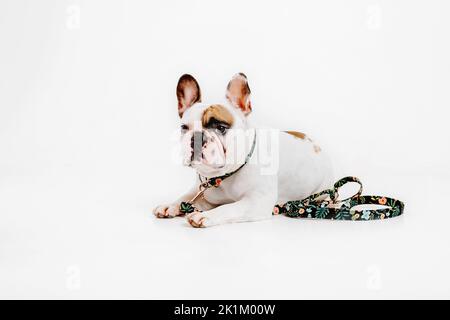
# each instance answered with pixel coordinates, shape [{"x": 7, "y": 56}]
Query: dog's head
[{"x": 214, "y": 136}]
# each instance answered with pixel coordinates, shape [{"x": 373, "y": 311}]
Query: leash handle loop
[{"x": 342, "y": 182}]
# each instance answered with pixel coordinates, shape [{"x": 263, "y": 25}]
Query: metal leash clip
[{"x": 201, "y": 190}]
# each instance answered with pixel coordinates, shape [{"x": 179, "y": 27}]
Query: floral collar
[
  {"x": 216, "y": 181},
  {"x": 187, "y": 207}
]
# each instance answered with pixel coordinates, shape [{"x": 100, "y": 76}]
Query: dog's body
[{"x": 216, "y": 139}]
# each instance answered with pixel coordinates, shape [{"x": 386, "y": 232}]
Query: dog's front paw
[
  {"x": 167, "y": 211},
  {"x": 197, "y": 219}
]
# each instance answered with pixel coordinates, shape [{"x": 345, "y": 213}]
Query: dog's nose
[{"x": 197, "y": 142}]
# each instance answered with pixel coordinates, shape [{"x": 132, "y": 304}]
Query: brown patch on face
[
  {"x": 219, "y": 113},
  {"x": 296, "y": 134},
  {"x": 317, "y": 149}
]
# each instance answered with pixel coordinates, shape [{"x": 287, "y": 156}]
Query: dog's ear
[
  {"x": 188, "y": 93},
  {"x": 238, "y": 93}
]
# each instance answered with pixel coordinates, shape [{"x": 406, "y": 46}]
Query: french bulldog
[{"x": 219, "y": 138}]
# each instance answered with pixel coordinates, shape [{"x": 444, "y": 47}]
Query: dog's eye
[
  {"x": 222, "y": 129},
  {"x": 184, "y": 128}
]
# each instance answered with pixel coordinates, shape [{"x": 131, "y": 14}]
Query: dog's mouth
[
  {"x": 211, "y": 155},
  {"x": 201, "y": 160}
]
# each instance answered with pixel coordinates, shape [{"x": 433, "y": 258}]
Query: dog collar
[
  {"x": 187, "y": 207},
  {"x": 216, "y": 181}
]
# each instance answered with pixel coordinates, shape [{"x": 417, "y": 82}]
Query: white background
[{"x": 88, "y": 111}]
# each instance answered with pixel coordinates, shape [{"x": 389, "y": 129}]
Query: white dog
[{"x": 218, "y": 139}]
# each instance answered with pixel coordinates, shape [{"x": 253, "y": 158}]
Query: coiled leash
[
  {"x": 328, "y": 207},
  {"x": 334, "y": 209}
]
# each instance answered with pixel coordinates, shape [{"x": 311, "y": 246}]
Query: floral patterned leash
[
  {"x": 329, "y": 208},
  {"x": 334, "y": 209}
]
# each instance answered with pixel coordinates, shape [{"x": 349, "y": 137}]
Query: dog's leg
[
  {"x": 249, "y": 208},
  {"x": 173, "y": 209}
]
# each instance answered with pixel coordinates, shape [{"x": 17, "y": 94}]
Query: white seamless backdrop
[{"x": 88, "y": 107}]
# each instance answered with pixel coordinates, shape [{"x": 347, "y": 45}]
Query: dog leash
[
  {"x": 331, "y": 207},
  {"x": 335, "y": 209}
]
